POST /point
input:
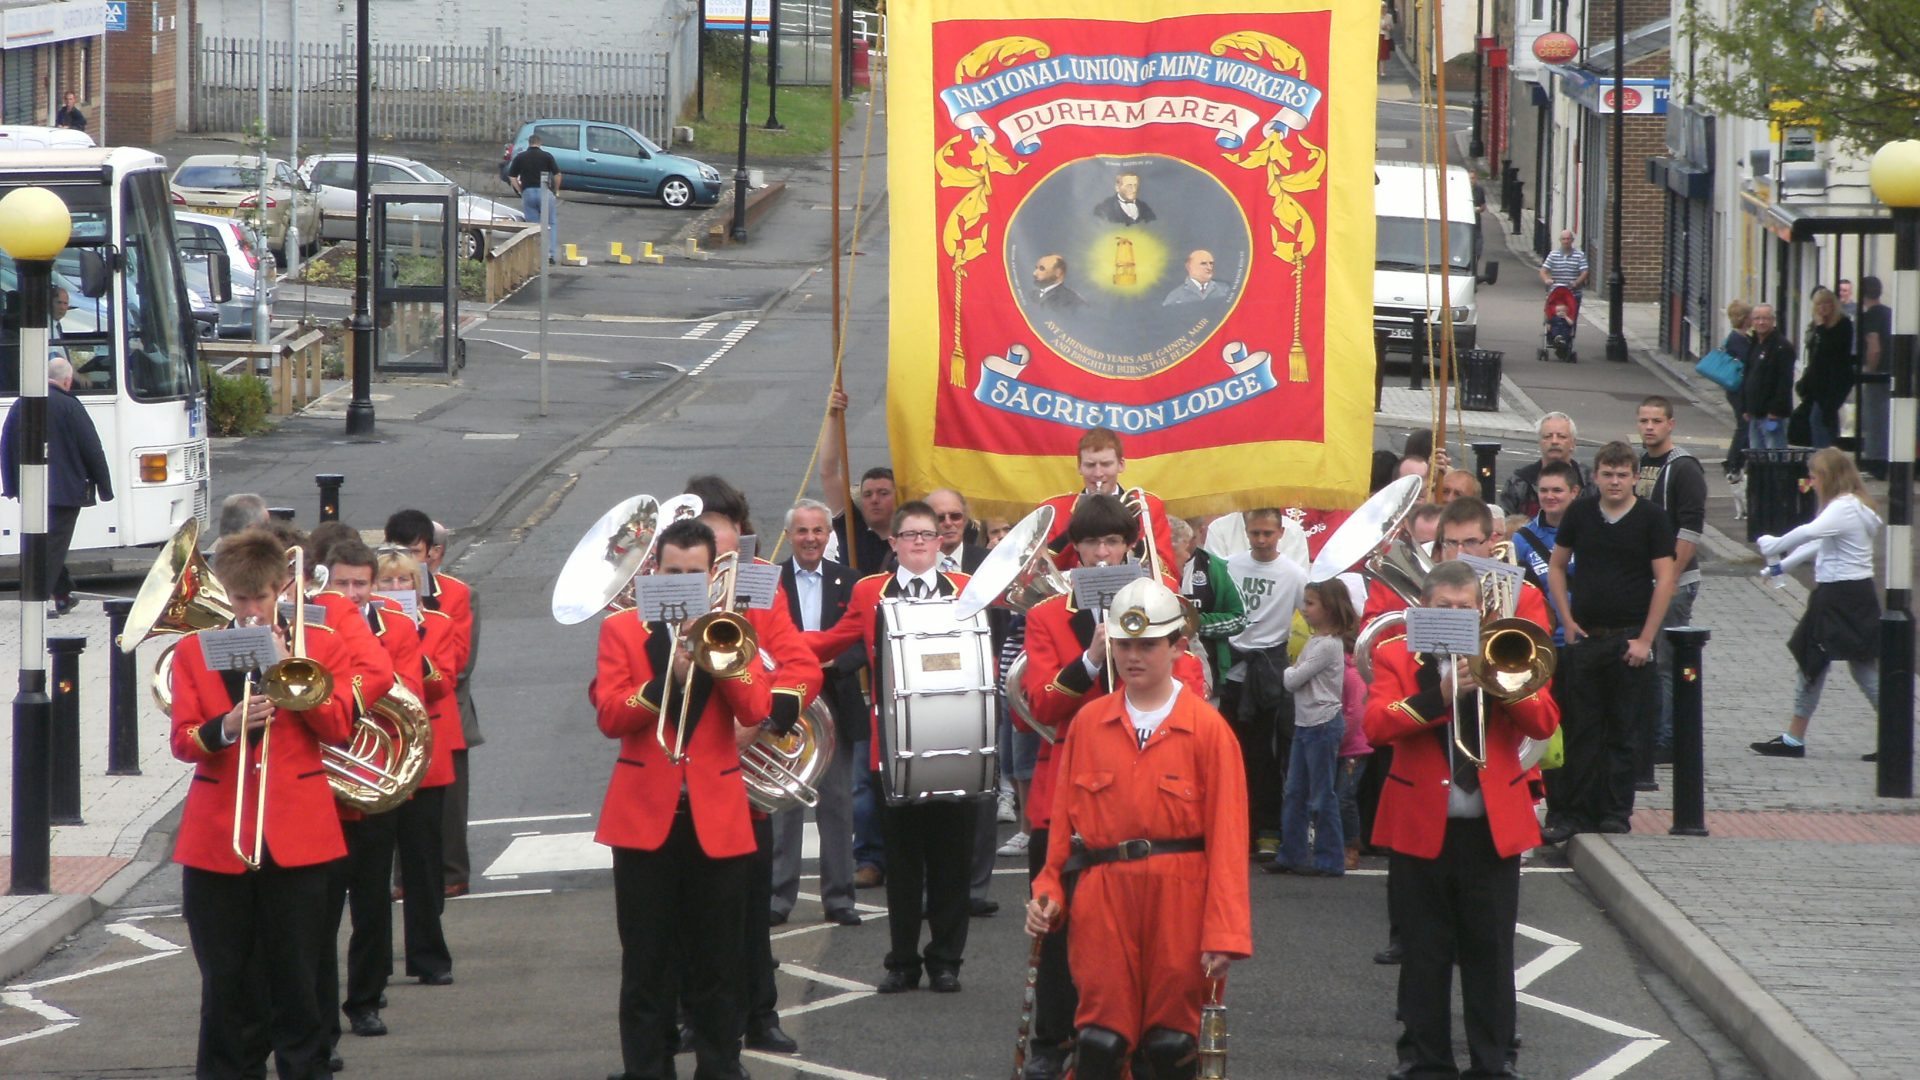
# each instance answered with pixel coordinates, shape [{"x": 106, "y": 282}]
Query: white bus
[{"x": 127, "y": 335}]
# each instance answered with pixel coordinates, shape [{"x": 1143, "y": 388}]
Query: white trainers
[
  {"x": 1016, "y": 845},
  {"x": 1009, "y": 813}
]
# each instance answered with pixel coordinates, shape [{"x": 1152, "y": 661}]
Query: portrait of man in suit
[
  {"x": 1199, "y": 286},
  {"x": 1050, "y": 278},
  {"x": 1125, "y": 207}
]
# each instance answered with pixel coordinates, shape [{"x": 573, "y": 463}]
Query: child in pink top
[{"x": 1354, "y": 750}]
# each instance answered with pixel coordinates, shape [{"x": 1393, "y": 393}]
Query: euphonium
[{"x": 783, "y": 771}]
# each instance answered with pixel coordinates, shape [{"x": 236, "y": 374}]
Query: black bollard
[
  {"x": 280, "y": 513},
  {"x": 1417, "y": 352},
  {"x": 1485, "y": 464},
  {"x": 1689, "y": 733},
  {"x": 329, "y": 484},
  {"x": 65, "y": 787},
  {"x": 123, "y": 694},
  {"x": 1379, "y": 365}
]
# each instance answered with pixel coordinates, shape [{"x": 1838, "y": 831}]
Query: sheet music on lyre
[
  {"x": 239, "y": 648},
  {"x": 672, "y": 598}
]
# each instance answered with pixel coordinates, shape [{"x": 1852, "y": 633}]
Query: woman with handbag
[
  {"x": 1831, "y": 368},
  {"x": 1842, "y": 621},
  {"x": 1726, "y": 366}
]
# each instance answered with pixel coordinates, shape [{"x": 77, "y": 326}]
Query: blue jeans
[
  {"x": 1310, "y": 795},
  {"x": 1351, "y": 769},
  {"x": 1766, "y": 433},
  {"x": 530, "y": 205},
  {"x": 868, "y": 802},
  {"x": 1679, "y": 613},
  {"x": 1821, "y": 433}
]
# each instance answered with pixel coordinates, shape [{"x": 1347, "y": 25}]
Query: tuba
[
  {"x": 179, "y": 596},
  {"x": 382, "y": 764},
  {"x": 1016, "y": 575},
  {"x": 783, "y": 771},
  {"x": 1369, "y": 541},
  {"x": 598, "y": 575}
]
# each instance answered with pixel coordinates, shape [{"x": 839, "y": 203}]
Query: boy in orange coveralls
[{"x": 1151, "y": 813}]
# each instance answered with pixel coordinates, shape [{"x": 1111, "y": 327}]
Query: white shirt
[
  {"x": 906, "y": 578},
  {"x": 1845, "y": 529},
  {"x": 1128, "y": 207},
  {"x": 806, "y": 586},
  {"x": 1145, "y": 723},
  {"x": 949, "y": 562},
  {"x": 1273, "y": 592}
]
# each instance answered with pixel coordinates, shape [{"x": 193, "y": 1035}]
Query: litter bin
[
  {"x": 1480, "y": 380},
  {"x": 1876, "y": 390},
  {"x": 1778, "y": 500}
]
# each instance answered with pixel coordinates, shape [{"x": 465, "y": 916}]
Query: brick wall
[
  {"x": 140, "y": 77},
  {"x": 1643, "y": 225}
]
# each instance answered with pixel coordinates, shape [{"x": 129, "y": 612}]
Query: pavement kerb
[
  {"x": 1769, "y": 1034},
  {"x": 68, "y": 914}
]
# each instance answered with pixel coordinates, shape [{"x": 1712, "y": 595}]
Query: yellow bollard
[{"x": 617, "y": 253}]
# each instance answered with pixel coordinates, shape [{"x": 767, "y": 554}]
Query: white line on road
[
  {"x": 524, "y": 820},
  {"x": 92, "y": 971},
  {"x": 825, "y": 979},
  {"x": 826, "y": 1003},
  {"x": 727, "y": 342},
  {"x": 585, "y": 334},
  {"x": 150, "y": 910},
  {"x": 1540, "y": 965},
  {"x": 1625, "y": 1058},
  {"x": 51, "y": 1029},
  {"x": 141, "y": 937},
  {"x": 700, "y": 331},
  {"x": 504, "y": 893},
  {"x": 34, "y": 1005},
  {"x": 1611, "y": 1027},
  {"x": 1542, "y": 936},
  {"x": 814, "y": 928},
  {"x": 857, "y": 905},
  {"x": 808, "y": 1067}
]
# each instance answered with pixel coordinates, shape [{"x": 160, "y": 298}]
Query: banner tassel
[
  {"x": 1297, "y": 353},
  {"x": 957, "y": 360}
]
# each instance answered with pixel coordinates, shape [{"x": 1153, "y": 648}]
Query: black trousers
[
  {"x": 1601, "y": 704},
  {"x": 269, "y": 923},
  {"x": 1263, "y": 722},
  {"x": 365, "y": 877},
  {"x": 680, "y": 915},
  {"x": 417, "y": 824},
  {"x": 1055, "y": 999},
  {"x": 60, "y": 523},
  {"x": 930, "y": 856},
  {"x": 453, "y": 825},
  {"x": 1458, "y": 909},
  {"x": 762, "y": 1005}
]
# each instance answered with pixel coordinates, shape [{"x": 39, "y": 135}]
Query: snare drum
[{"x": 938, "y": 703}]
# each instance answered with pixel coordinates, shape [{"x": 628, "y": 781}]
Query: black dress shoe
[
  {"x": 944, "y": 982},
  {"x": 1615, "y": 826},
  {"x": 1392, "y": 954},
  {"x": 438, "y": 978},
  {"x": 845, "y": 917},
  {"x": 1777, "y": 747},
  {"x": 983, "y": 908},
  {"x": 366, "y": 1024},
  {"x": 899, "y": 981},
  {"x": 1557, "y": 832},
  {"x": 777, "y": 918},
  {"x": 770, "y": 1038}
]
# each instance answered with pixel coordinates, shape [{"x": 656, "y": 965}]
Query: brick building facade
[
  {"x": 146, "y": 73},
  {"x": 51, "y": 48}
]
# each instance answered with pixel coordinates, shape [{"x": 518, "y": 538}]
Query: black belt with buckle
[{"x": 1129, "y": 851}]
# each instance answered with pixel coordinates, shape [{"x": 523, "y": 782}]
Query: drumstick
[{"x": 1027, "y": 1008}]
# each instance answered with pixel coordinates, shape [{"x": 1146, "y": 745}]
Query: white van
[
  {"x": 1406, "y": 277},
  {"x": 28, "y": 137}
]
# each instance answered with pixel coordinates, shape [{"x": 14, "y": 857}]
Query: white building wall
[{"x": 576, "y": 24}]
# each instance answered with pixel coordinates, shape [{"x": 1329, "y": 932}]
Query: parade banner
[{"x": 1158, "y": 221}]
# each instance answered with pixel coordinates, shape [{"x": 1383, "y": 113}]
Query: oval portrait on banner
[{"x": 1125, "y": 266}]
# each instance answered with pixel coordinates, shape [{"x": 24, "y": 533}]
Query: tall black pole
[
  {"x": 32, "y": 867},
  {"x": 1894, "y": 752},
  {"x": 1617, "y": 274},
  {"x": 700, "y": 64},
  {"x": 739, "y": 231},
  {"x": 360, "y": 407},
  {"x": 1476, "y": 142},
  {"x": 773, "y": 67}
]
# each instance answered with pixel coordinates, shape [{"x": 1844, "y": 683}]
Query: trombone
[
  {"x": 296, "y": 683},
  {"x": 722, "y": 644},
  {"x": 1515, "y": 657}
]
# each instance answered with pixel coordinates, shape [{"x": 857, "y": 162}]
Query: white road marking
[
  {"x": 490, "y": 436},
  {"x": 117, "y": 965},
  {"x": 727, "y": 342},
  {"x": 1540, "y": 965},
  {"x": 41, "y": 1009},
  {"x": 1623, "y": 1059},
  {"x": 814, "y": 928},
  {"x": 51, "y": 1029},
  {"x": 525, "y": 820},
  {"x": 826, "y": 1003},
  {"x": 583, "y": 334},
  {"x": 141, "y": 937},
  {"x": 552, "y": 853},
  {"x": 857, "y": 905},
  {"x": 504, "y": 893},
  {"x": 700, "y": 331},
  {"x": 1542, "y": 936},
  {"x": 808, "y": 1067},
  {"x": 825, "y": 979},
  {"x": 1611, "y": 1027},
  {"x": 135, "y": 913}
]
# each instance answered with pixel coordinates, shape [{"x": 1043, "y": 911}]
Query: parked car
[
  {"x": 332, "y": 174},
  {"x": 228, "y": 185},
  {"x": 31, "y": 137},
  {"x": 205, "y": 232},
  {"x": 611, "y": 159}
]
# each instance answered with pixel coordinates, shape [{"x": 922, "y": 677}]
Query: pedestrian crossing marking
[{"x": 551, "y": 853}]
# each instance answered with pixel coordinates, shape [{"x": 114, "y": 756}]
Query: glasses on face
[
  {"x": 1456, "y": 545},
  {"x": 917, "y": 535},
  {"x": 958, "y": 516}
]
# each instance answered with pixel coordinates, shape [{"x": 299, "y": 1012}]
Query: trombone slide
[{"x": 250, "y": 857}]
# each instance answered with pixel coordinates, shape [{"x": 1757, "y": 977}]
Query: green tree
[{"x": 1852, "y": 66}]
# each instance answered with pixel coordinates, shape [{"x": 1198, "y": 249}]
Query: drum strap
[{"x": 1129, "y": 851}]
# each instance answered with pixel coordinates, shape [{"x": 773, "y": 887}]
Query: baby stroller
[{"x": 1562, "y": 321}]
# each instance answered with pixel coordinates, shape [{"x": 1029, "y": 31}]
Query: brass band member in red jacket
[
  {"x": 1151, "y": 816},
  {"x": 1455, "y": 833},
  {"x": 1101, "y": 459},
  {"x": 681, "y": 834},
  {"x": 277, "y": 913}
]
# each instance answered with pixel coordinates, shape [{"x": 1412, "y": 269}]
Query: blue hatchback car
[{"x": 613, "y": 159}]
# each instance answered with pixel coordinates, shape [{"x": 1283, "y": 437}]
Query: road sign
[{"x": 116, "y": 14}]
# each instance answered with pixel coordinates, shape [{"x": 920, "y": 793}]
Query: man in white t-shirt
[{"x": 1254, "y": 699}]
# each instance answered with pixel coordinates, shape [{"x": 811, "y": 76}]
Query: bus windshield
[{"x": 86, "y": 330}]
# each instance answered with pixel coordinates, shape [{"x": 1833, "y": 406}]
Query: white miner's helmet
[{"x": 1145, "y": 608}]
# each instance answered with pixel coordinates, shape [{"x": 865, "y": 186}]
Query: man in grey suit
[
  {"x": 817, "y": 591},
  {"x": 1199, "y": 287},
  {"x": 1050, "y": 277}
]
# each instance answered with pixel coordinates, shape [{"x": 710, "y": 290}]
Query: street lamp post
[
  {"x": 34, "y": 227},
  {"x": 773, "y": 68},
  {"x": 360, "y": 405},
  {"x": 739, "y": 229},
  {"x": 1895, "y": 177},
  {"x": 1476, "y": 142},
  {"x": 1616, "y": 191}
]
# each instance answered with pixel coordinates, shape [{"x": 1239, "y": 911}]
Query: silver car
[
  {"x": 333, "y": 175},
  {"x": 206, "y": 232}
]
